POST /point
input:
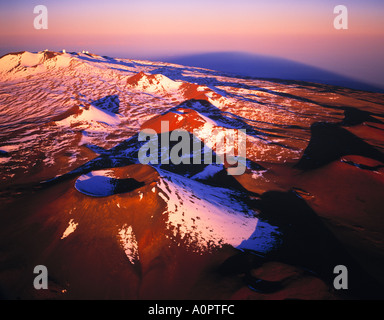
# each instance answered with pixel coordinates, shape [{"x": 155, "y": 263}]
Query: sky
[{"x": 299, "y": 30}]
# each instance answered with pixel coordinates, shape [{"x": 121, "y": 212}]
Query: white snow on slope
[
  {"x": 70, "y": 229},
  {"x": 157, "y": 83},
  {"x": 207, "y": 217},
  {"x": 17, "y": 66},
  {"x": 92, "y": 115},
  {"x": 8, "y": 62},
  {"x": 129, "y": 243},
  {"x": 29, "y": 59}
]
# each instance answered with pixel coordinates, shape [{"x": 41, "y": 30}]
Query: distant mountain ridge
[{"x": 260, "y": 66}]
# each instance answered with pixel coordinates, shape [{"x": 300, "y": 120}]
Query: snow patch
[
  {"x": 29, "y": 59},
  {"x": 92, "y": 115},
  {"x": 9, "y": 62},
  {"x": 129, "y": 243},
  {"x": 9, "y": 148},
  {"x": 70, "y": 229},
  {"x": 258, "y": 174},
  {"x": 208, "y": 217},
  {"x": 5, "y": 159},
  {"x": 209, "y": 171}
]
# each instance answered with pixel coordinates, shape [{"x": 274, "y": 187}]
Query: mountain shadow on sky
[{"x": 259, "y": 66}]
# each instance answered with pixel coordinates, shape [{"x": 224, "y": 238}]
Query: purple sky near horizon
[{"x": 298, "y": 30}]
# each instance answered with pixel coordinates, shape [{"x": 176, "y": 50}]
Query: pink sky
[{"x": 299, "y": 30}]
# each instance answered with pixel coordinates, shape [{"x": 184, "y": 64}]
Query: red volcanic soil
[
  {"x": 74, "y": 111},
  {"x": 95, "y": 266},
  {"x": 348, "y": 197},
  {"x": 75, "y": 198},
  {"x": 186, "y": 119}
]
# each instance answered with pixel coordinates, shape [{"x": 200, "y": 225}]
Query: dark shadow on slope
[
  {"x": 221, "y": 179},
  {"x": 95, "y": 148},
  {"x": 4, "y": 154},
  {"x": 107, "y": 59},
  {"x": 109, "y": 103},
  {"x": 354, "y": 116},
  {"x": 306, "y": 243},
  {"x": 329, "y": 142}
]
